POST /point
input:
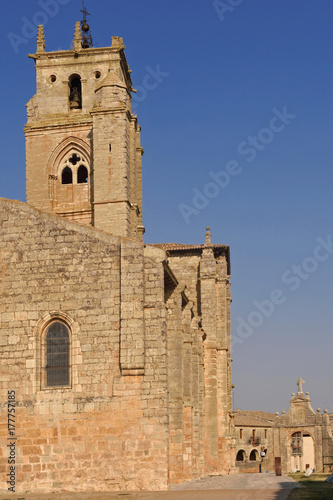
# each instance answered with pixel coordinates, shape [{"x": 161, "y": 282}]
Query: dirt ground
[{"x": 235, "y": 487}]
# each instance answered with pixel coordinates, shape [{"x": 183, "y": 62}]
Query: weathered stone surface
[
  {"x": 147, "y": 397},
  {"x": 100, "y": 130}
]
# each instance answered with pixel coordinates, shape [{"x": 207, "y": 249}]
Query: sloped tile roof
[
  {"x": 181, "y": 246},
  {"x": 254, "y": 418}
]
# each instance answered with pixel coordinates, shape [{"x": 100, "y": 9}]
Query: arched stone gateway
[
  {"x": 301, "y": 433},
  {"x": 302, "y": 451},
  {"x": 301, "y": 438}
]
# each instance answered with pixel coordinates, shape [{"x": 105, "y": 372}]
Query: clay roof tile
[{"x": 254, "y": 418}]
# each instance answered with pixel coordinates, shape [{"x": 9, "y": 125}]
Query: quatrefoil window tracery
[
  {"x": 74, "y": 159},
  {"x": 75, "y": 169}
]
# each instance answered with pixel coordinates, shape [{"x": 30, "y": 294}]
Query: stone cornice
[
  {"x": 115, "y": 109},
  {"x": 70, "y": 54},
  {"x": 62, "y": 123}
]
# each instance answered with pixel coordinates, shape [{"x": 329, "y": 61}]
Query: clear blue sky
[{"x": 225, "y": 79}]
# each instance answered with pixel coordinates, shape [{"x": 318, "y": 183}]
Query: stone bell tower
[{"x": 83, "y": 151}]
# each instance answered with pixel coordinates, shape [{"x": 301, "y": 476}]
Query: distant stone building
[
  {"x": 115, "y": 355},
  {"x": 301, "y": 437},
  {"x": 254, "y": 436}
]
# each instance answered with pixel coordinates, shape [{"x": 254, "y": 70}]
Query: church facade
[{"x": 115, "y": 369}]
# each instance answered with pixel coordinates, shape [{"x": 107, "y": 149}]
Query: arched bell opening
[{"x": 75, "y": 92}]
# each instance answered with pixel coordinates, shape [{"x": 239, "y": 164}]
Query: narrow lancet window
[
  {"x": 67, "y": 176},
  {"x": 82, "y": 175},
  {"x": 57, "y": 355}
]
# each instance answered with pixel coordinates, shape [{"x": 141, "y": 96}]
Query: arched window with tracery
[
  {"x": 74, "y": 168},
  {"x": 57, "y": 355},
  {"x": 70, "y": 174}
]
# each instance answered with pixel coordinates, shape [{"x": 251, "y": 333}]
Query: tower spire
[{"x": 87, "y": 41}]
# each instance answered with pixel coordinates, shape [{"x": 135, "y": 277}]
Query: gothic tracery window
[{"x": 75, "y": 169}]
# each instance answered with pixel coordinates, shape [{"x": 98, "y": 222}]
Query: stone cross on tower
[{"x": 300, "y": 383}]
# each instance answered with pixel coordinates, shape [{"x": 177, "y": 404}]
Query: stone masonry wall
[
  {"x": 105, "y": 431},
  {"x": 204, "y": 397},
  {"x": 264, "y": 439}
]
